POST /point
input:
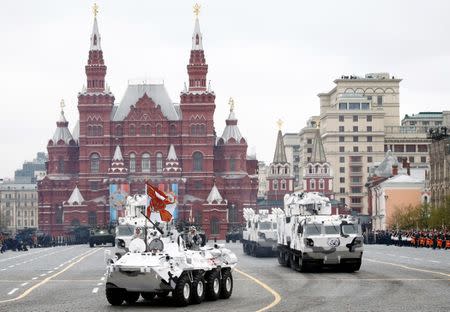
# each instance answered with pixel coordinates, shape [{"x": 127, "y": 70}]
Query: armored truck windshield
[
  {"x": 265, "y": 225},
  {"x": 351, "y": 229},
  {"x": 125, "y": 230},
  {"x": 331, "y": 229},
  {"x": 313, "y": 229}
]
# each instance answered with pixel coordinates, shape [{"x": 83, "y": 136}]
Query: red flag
[{"x": 158, "y": 202}]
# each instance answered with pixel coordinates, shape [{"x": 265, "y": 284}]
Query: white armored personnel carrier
[
  {"x": 310, "y": 237},
  {"x": 161, "y": 264},
  {"x": 259, "y": 237}
]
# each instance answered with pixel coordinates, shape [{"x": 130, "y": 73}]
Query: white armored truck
[
  {"x": 260, "y": 235},
  {"x": 161, "y": 264},
  {"x": 309, "y": 236}
]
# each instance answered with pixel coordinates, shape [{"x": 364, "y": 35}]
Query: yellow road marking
[
  {"x": 29, "y": 290},
  {"x": 408, "y": 267},
  {"x": 277, "y": 297}
]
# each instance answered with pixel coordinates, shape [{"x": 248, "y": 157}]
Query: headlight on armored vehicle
[
  {"x": 121, "y": 243},
  {"x": 261, "y": 235},
  {"x": 309, "y": 242},
  {"x": 358, "y": 242}
]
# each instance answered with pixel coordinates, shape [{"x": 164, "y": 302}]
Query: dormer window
[
  {"x": 197, "y": 39},
  {"x": 95, "y": 39}
]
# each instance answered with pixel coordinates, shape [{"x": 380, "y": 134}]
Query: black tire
[
  {"x": 115, "y": 296},
  {"x": 233, "y": 240},
  {"x": 226, "y": 284},
  {"x": 113, "y": 244},
  {"x": 244, "y": 249},
  {"x": 281, "y": 258},
  {"x": 198, "y": 289},
  {"x": 352, "y": 267},
  {"x": 91, "y": 244},
  {"x": 212, "y": 285},
  {"x": 182, "y": 293},
  {"x": 131, "y": 297},
  {"x": 227, "y": 240},
  {"x": 148, "y": 296}
]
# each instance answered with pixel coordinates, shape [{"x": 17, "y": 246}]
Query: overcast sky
[{"x": 272, "y": 57}]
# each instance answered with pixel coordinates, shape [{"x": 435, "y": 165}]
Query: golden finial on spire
[
  {"x": 197, "y": 9},
  {"x": 62, "y": 104},
  {"x": 95, "y": 9},
  {"x": 280, "y": 124},
  {"x": 231, "y": 103}
]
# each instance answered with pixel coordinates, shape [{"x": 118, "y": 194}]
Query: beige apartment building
[
  {"x": 353, "y": 118},
  {"x": 18, "y": 206}
]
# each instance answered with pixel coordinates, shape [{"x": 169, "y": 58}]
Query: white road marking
[
  {"x": 43, "y": 274},
  {"x": 434, "y": 261},
  {"x": 13, "y": 291},
  {"x": 34, "y": 278},
  {"x": 24, "y": 284},
  {"x": 11, "y": 266},
  {"x": 3, "y": 269},
  {"x": 103, "y": 278},
  {"x": 99, "y": 284},
  {"x": 418, "y": 259},
  {"x": 95, "y": 290},
  {"x": 50, "y": 272},
  {"x": 56, "y": 268}
]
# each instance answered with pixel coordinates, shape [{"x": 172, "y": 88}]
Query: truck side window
[{"x": 300, "y": 229}]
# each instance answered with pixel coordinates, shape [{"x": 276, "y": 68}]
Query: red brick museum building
[{"x": 147, "y": 137}]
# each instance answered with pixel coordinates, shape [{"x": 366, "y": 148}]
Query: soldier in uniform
[{"x": 194, "y": 241}]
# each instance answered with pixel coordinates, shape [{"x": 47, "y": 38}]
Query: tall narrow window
[
  {"x": 214, "y": 226},
  {"x": 132, "y": 162},
  {"x": 232, "y": 164},
  {"x": 95, "y": 163},
  {"x": 159, "y": 162},
  {"x": 158, "y": 129},
  {"x": 132, "y": 130},
  {"x": 61, "y": 165},
  {"x": 92, "y": 218},
  {"x": 145, "y": 162},
  {"x": 198, "y": 161}
]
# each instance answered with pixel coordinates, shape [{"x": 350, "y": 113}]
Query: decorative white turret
[
  {"x": 231, "y": 130},
  {"x": 172, "y": 165},
  {"x": 197, "y": 35},
  {"x": 76, "y": 198},
  {"x": 214, "y": 196},
  {"x": 117, "y": 163},
  {"x": 62, "y": 132},
  {"x": 95, "y": 36}
]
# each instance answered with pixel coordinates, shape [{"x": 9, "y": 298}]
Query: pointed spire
[
  {"x": 318, "y": 153},
  {"x": 95, "y": 37},
  {"x": 117, "y": 154},
  {"x": 214, "y": 196},
  {"x": 197, "y": 43},
  {"x": 280, "y": 152},
  {"x": 76, "y": 197},
  {"x": 172, "y": 155}
]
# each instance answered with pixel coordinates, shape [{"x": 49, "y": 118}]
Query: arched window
[
  {"x": 61, "y": 165},
  {"x": 283, "y": 184},
  {"x": 132, "y": 162},
  {"x": 95, "y": 163},
  {"x": 159, "y": 162},
  {"x": 197, "y": 39},
  {"x": 158, "y": 129},
  {"x": 145, "y": 162},
  {"x": 317, "y": 169},
  {"x": 119, "y": 131},
  {"x": 310, "y": 169},
  {"x": 198, "y": 161},
  {"x": 275, "y": 184},
  {"x": 92, "y": 218},
  {"x": 312, "y": 184},
  {"x": 173, "y": 130},
  {"x": 325, "y": 169},
  {"x": 95, "y": 40},
  {"x": 132, "y": 130},
  {"x": 321, "y": 184},
  {"x": 214, "y": 226}
]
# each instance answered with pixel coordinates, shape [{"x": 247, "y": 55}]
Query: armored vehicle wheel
[
  {"x": 281, "y": 258},
  {"x": 227, "y": 240},
  {"x": 148, "y": 295},
  {"x": 295, "y": 262},
  {"x": 233, "y": 240},
  {"x": 198, "y": 289},
  {"x": 182, "y": 292},
  {"x": 131, "y": 297},
  {"x": 226, "y": 284},
  {"x": 113, "y": 244},
  {"x": 115, "y": 296},
  {"x": 91, "y": 244},
  {"x": 212, "y": 285},
  {"x": 352, "y": 267},
  {"x": 244, "y": 249}
]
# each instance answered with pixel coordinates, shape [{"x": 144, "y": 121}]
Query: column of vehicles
[{"x": 154, "y": 259}]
